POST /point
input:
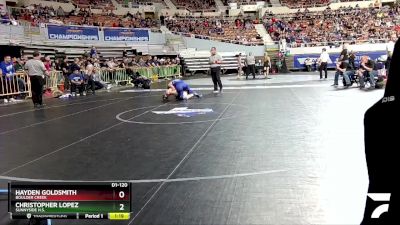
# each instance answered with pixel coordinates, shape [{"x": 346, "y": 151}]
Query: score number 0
[{"x": 121, "y": 195}]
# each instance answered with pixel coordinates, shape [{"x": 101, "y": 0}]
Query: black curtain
[{"x": 13, "y": 51}]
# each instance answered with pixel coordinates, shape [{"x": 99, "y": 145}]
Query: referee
[
  {"x": 215, "y": 65},
  {"x": 36, "y": 71},
  {"x": 323, "y": 63}
]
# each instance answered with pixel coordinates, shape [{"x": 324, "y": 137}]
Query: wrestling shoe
[
  {"x": 165, "y": 98},
  {"x": 198, "y": 95}
]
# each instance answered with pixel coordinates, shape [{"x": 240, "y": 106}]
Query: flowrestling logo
[
  {"x": 184, "y": 112},
  {"x": 383, "y": 207},
  {"x": 57, "y": 32}
]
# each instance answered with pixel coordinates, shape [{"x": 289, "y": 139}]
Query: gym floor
[{"x": 283, "y": 151}]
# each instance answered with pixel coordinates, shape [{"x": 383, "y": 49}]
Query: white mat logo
[
  {"x": 380, "y": 197},
  {"x": 184, "y": 112}
]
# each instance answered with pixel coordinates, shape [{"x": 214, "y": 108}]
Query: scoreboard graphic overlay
[{"x": 105, "y": 200}]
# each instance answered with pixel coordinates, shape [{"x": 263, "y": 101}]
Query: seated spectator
[
  {"x": 131, "y": 62},
  {"x": 308, "y": 64},
  {"x": 93, "y": 79},
  {"x": 7, "y": 73},
  {"x": 343, "y": 68},
  {"x": 111, "y": 64},
  {"x": 142, "y": 63},
  {"x": 19, "y": 65},
  {"x": 96, "y": 63},
  {"x": 77, "y": 82},
  {"x": 93, "y": 52},
  {"x": 74, "y": 66}
]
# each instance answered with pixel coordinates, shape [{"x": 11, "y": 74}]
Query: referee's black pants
[
  {"x": 216, "y": 77},
  {"x": 324, "y": 67},
  {"x": 37, "y": 89},
  {"x": 251, "y": 69}
]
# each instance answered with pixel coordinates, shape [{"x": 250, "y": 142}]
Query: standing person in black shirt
[
  {"x": 388, "y": 62},
  {"x": 65, "y": 69},
  {"x": 162, "y": 19},
  {"x": 352, "y": 58},
  {"x": 344, "y": 55}
]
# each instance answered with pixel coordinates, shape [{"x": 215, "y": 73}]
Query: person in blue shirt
[
  {"x": 77, "y": 82},
  {"x": 180, "y": 90},
  {"x": 93, "y": 52},
  {"x": 11, "y": 83},
  {"x": 7, "y": 67}
]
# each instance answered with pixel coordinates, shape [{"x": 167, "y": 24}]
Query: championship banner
[
  {"x": 60, "y": 32},
  {"x": 298, "y": 60},
  {"x": 125, "y": 34}
]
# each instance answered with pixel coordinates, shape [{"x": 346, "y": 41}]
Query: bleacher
[
  {"x": 195, "y": 5},
  {"x": 195, "y": 61},
  {"x": 304, "y": 3},
  {"x": 104, "y": 52},
  {"x": 95, "y": 4},
  {"x": 137, "y": 3}
]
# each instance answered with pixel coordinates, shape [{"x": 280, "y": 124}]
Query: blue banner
[
  {"x": 298, "y": 60},
  {"x": 60, "y": 32},
  {"x": 125, "y": 34}
]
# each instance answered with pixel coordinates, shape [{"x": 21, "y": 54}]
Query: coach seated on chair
[
  {"x": 345, "y": 69},
  {"x": 77, "y": 82},
  {"x": 367, "y": 70}
]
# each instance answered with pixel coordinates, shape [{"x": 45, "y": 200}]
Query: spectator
[
  {"x": 60, "y": 12},
  {"x": 8, "y": 72},
  {"x": 94, "y": 79},
  {"x": 86, "y": 54},
  {"x": 96, "y": 63},
  {"x": 93, "y": 52},
  {"x": 19, "y": 65},
  {"x": 308, "y": 64},
  {"x": 329, "y": 26},
  {"x": 112, "y": 64},
  {"x": 74, "y": 66},
  {"x": 77, "y": 82},
  {"x": 47, "y": 63}
]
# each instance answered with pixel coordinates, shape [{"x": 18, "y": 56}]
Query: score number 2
[{"x": 121, "y": 195}]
